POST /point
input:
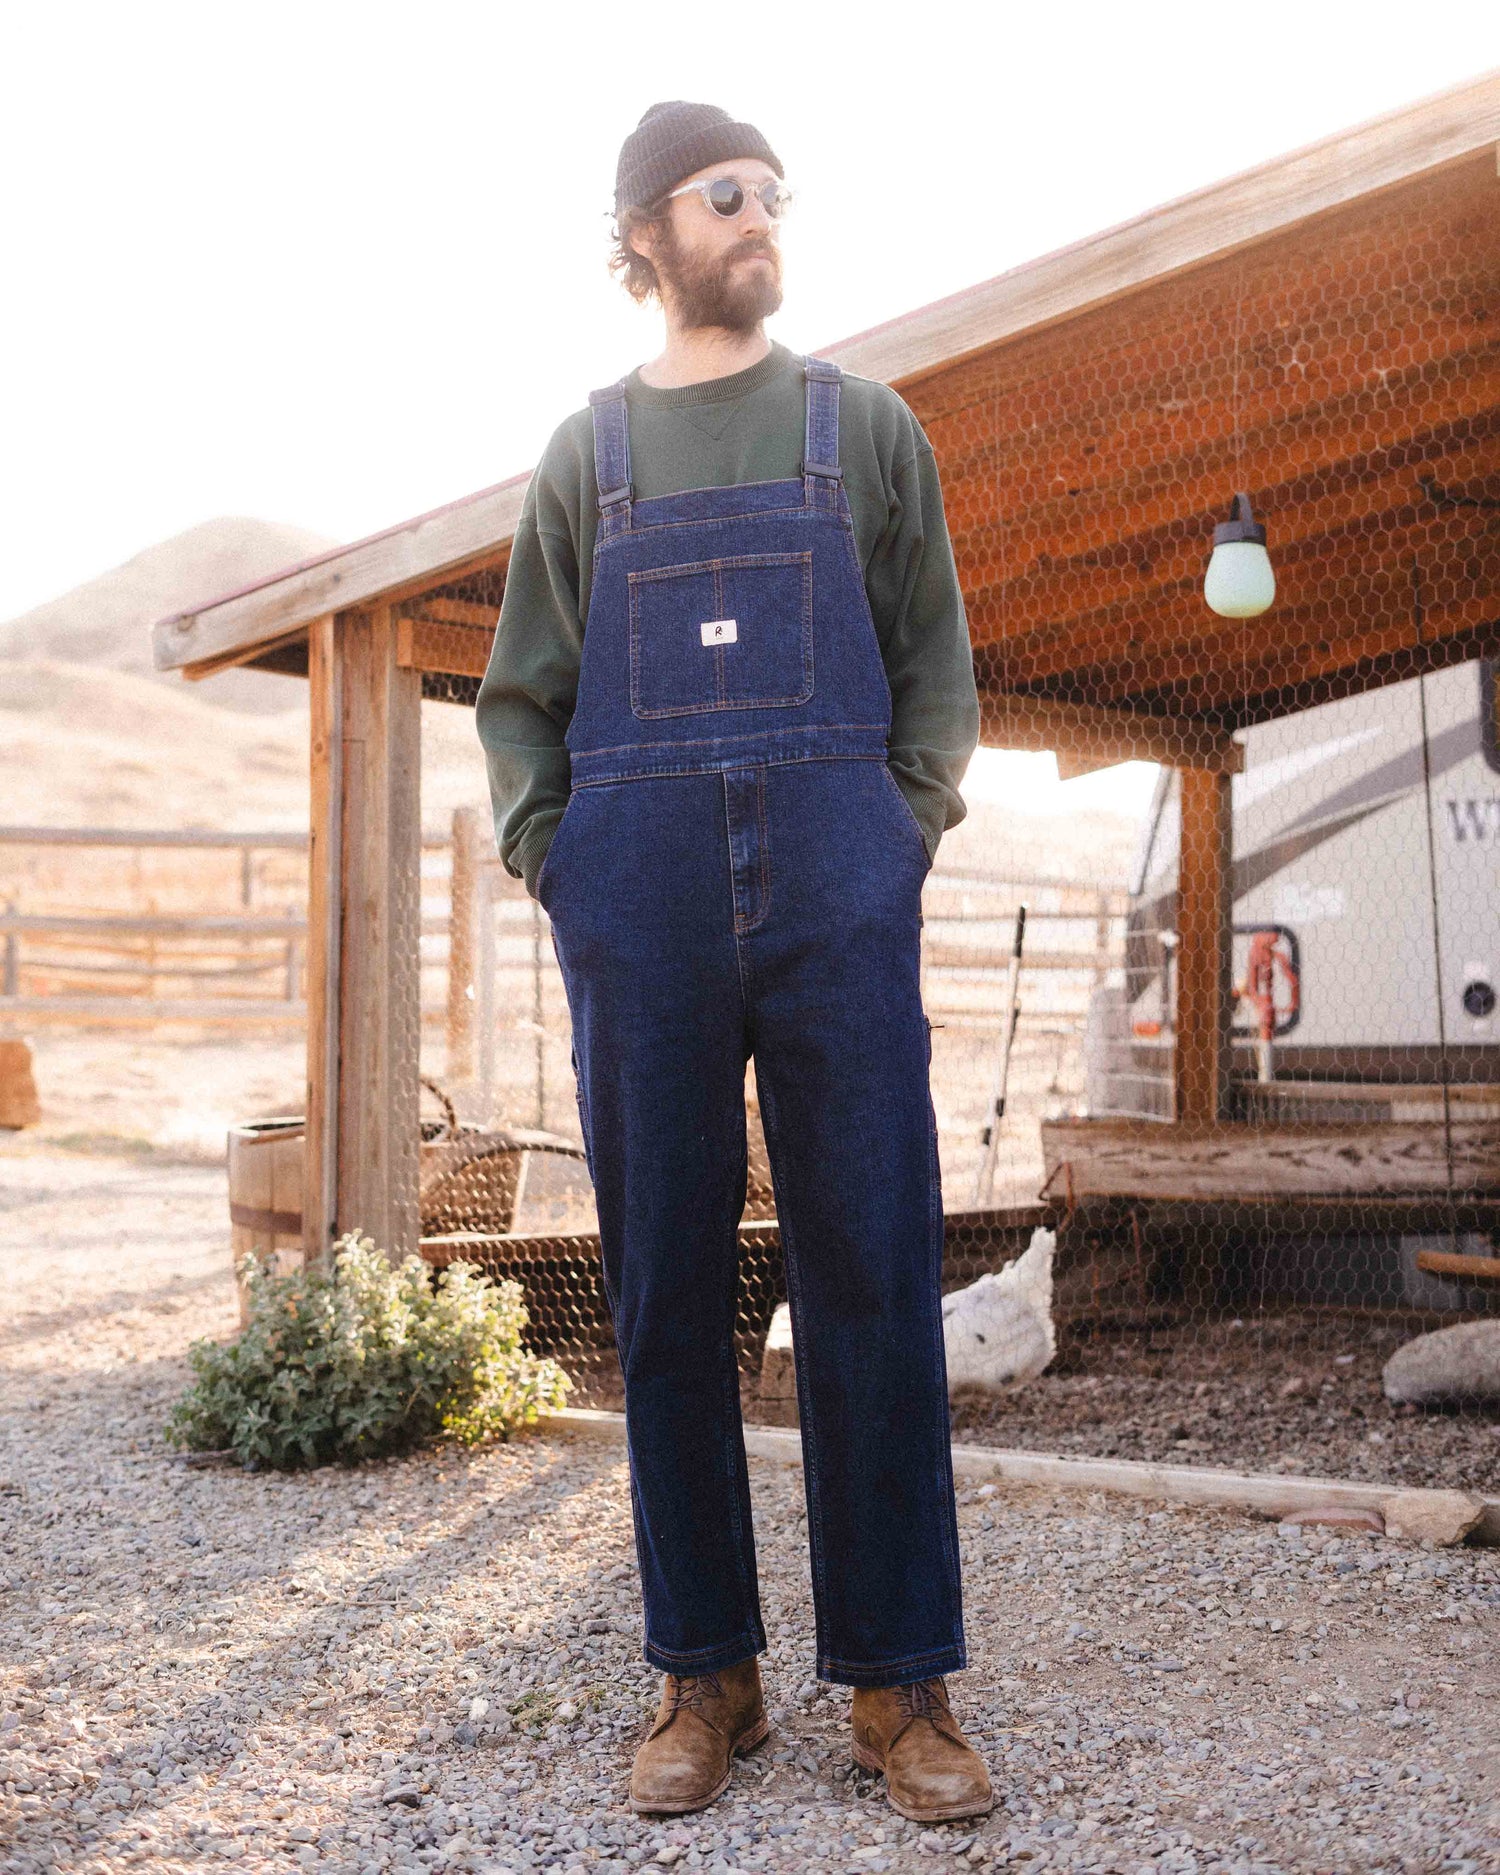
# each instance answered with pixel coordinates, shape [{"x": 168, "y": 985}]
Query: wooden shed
[{"x": 1322, "y": 332}]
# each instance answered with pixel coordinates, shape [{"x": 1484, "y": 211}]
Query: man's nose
[{"x": 753, "y": 217}]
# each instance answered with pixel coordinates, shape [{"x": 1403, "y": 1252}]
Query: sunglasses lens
[
  {"x": 725, "y": 196},
  {"x": 773, "y": 199}
]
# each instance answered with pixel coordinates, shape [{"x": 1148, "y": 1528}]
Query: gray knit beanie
[{"x": 672, "y": 140}]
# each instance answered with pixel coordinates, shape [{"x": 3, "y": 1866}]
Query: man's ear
[{"x": 644, "y": 237}]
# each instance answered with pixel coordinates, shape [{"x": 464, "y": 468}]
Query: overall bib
[{"x": 737, "y": 873}]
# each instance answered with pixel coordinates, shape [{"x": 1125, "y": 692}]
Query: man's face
[{"x": 718, "y": 271}]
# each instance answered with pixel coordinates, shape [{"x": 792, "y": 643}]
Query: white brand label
[{"x": 719, "y": 631}]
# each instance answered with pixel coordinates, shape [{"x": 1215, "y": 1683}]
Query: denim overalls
[{"x": 736, "y": 872}]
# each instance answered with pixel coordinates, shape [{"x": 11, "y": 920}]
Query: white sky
[{"x": 334, "y": 264}]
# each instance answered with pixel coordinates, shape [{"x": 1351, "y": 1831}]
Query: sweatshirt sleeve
[
  {"x": 527, "y": 697},
  {"x": 918, "y": 610}
]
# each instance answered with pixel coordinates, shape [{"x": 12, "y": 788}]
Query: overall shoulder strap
[
  {"x": 820, "y": 448},
  {"x": 612, "y": 456}
]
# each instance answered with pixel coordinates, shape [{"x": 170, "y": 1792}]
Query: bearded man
[{"x": 729, "y": 706}]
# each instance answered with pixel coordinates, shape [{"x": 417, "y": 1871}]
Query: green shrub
[{"x": 364, "y": 1360}]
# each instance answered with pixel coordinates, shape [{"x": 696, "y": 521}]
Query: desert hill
[
  {"x": 107, "y": 621},
  {"x": 84, "y": 746}
]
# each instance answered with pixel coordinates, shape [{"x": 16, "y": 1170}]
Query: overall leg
[
  {"x": 643, "y": 924},
  {"x": 842, "y": 1052}
]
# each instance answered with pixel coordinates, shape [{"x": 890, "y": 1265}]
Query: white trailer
[{"x": 1366, "y": 919}]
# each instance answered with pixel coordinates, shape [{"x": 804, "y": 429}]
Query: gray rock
[{"x": 1449, "y": 1366}]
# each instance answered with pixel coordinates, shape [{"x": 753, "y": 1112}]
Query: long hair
[{"x": 637, "y": 275}]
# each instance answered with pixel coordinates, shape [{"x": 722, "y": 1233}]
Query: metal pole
[{"x": 984, "y": 1184}]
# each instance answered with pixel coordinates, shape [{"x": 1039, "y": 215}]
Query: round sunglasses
[{"x": 727, "y": 196}]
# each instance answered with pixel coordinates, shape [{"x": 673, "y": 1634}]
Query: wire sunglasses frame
[{"x": 727, "y": 196}]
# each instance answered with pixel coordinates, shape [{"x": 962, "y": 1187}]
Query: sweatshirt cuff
[
  {"x": 531, "y": 849},
  {"x": 929, "y": 809}
]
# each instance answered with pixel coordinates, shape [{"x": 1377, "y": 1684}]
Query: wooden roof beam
[
  {"x": 411, "y": 558},
  {"x": 1084, "y": 737}
]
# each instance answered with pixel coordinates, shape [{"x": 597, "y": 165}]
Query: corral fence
[{"x": 108, "y": 927}]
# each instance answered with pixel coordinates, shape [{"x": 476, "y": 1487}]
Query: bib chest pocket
[{"x": 731, "y": 634}]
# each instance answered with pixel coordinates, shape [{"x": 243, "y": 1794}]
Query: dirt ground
[
  {"x": 435, "y": 1663},
  {"x": 1295, "y": 1390}
]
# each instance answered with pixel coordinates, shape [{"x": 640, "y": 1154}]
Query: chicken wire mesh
[{"x": 1229, "y": 1282}]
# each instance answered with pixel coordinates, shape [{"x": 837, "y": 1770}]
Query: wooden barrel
[{"x": 265, "y": 1196}]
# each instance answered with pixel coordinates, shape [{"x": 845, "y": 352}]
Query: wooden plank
[
  {"x": 456, "y": 650},
  {"x": 412, "y": 555},
  {"x": 1451, "y": 1263},
  {"x": 324, "y": 860},
  {"x": 1200, "y": 1485},
  {"x": 380, "y": 898},
  {"x": 265, "y": 650},
  {"x": 440, "y": 610},
  {"x": 1101, "y": 737},
  {"x": 1261, "y": 1164},
  {"x": 1223, "y": 218},
  {"x": 105, "y": 925},
  {"x": 471, "y": 833},
  {"x": 128, "y": 1011},
  {"x": 144, "y": 836},
  {"x": 1200, "y": 1059}
]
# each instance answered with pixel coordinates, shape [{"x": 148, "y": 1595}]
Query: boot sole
[
  {"x": 742, "y": 1747},
  {"x": 868, "y": 1760}
]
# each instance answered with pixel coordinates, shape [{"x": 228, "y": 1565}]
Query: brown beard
[{"x": 706, "y": 291}]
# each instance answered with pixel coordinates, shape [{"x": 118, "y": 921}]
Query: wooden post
[
  {"x": 1201, "y": 1063},
  {"x": 470, "y": 829},
  {"x": 320, "y": 1146},
  {"x": 364, "y": 931}
]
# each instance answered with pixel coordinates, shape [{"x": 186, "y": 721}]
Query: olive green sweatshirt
[{"x": 743, "y": 428}]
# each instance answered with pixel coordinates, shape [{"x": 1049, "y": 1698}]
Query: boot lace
[
  {"x": 690, "y": 1691},
  {"x": 922, "y": 1700}
]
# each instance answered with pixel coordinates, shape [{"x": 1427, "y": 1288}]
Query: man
[{"x": 726, "y": 790}]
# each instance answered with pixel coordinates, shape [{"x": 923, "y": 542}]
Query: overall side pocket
[
  {"x": 908, "y": 818},
  {"x": 547, "y": 874}
]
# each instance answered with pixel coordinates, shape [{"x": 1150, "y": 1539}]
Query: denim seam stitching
[
  {"x": 954, "y": 1649},
  {"x": 812, "y": 1470},
  {"x": 942, "y": 1423},
  {"x": 681, "y": 570},
  {"x": 741, "y": 926},
  {"x": 916, "y": 824},
  {"x": 699, "y": 742},
  {"x": 707, "y": 520},
  {"x": 734, "y": 915},
  {"x": 719, "y": 768},
  {"x": 702, "y": 1653},
  {"x": 734, "y": 1438}
]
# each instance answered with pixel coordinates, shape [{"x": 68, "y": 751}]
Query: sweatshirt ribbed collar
[{"x": 712, "y": 390}]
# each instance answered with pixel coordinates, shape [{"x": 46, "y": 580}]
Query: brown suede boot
[
  {"x": 932, "y": 1773},
  {"x": 703, "y": 1721}
]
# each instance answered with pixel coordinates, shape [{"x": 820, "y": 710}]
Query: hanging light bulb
[{"x": 1240, "y": 582}]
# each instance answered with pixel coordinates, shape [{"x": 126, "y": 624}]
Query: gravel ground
[{"x": 433, "y": 1663}]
